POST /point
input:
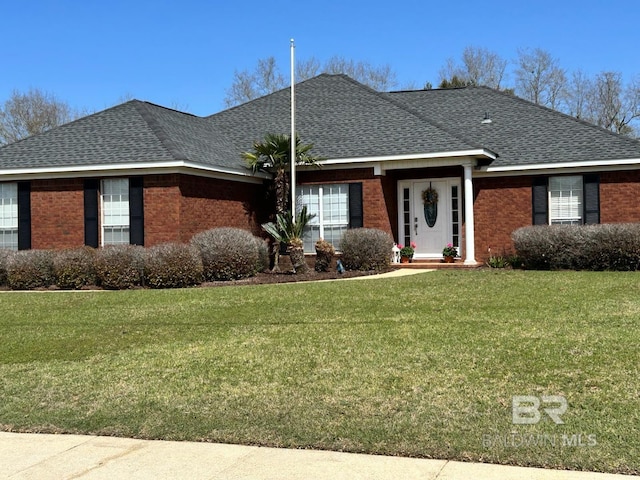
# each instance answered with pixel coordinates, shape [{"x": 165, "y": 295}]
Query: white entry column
[{"x": 470, "y": 238}]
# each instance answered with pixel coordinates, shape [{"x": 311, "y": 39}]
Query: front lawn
[{"x": 423, "y": 366}]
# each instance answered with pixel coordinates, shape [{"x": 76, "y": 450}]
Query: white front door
[{"x": 434, "y": 229}]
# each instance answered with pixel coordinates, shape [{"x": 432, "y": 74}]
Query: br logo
[{"x": 526, "y": 408}]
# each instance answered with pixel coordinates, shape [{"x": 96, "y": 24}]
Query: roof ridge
[{"x": 144, "y": 109}]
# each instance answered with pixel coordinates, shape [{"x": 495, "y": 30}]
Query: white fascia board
[
  {"x": 592, "y": 165},
  {"x": 481, "y": 152},
  {"x": 139, "y": 168}
]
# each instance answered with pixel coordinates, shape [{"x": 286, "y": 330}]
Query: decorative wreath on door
[
  {"x": 430, "y": 200},
  {"x": 430, "y": 196}
]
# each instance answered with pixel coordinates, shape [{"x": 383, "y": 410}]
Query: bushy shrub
[
  {"x": 587, "y": 247},
  {"x": 119, "y": 266},
  {"x": 324, "y": 255},
  {"x": 227, "y": 253},
  {"x": 5, "y": 255},
  {"x": 172, "y": 265},
  {"x": 29, "y": 269},
  {"x": 263, "y": 254},
  {"x": 74, "y": 268},
  {"x": 366, "y": 249}
]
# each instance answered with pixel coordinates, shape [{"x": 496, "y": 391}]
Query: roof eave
[{"x": 137, "y": 168}]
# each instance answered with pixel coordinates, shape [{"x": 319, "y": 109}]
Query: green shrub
[
  {"x": 29, "y": 269},
  {"x": 366, "y": 249},
  {"x": 74, "y": 268},
  {"x": 119, "y": 267},
  {"x": 5, "y": 255},
  {"x": 498, "y": 261},
  {"x": 227, "y": 253},
  {"x": 324, "y": 255},
  {"x": 586, "y": 247},
  {"x": 172, "y": 265}
]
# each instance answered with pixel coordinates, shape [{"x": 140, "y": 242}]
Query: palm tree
[{"x": 273, "y": 155}]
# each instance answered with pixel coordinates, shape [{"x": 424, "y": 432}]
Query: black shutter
[
  {"x": 540, "y": 201},
  {"x": 591, "y": 198},
  {"x": 24, "y": 215},
  {"x": 91, "y": 212},
  {"x": 356, "y": 217},
  {"x": 136, "y": 211}
]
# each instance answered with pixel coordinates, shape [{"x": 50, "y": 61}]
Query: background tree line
[{"x": 605, "y": 99}]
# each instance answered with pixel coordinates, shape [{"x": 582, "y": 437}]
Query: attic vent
[{"x": 486, "y": 119}]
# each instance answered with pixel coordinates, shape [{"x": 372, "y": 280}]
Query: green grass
[{"x": 422, "y": 366}]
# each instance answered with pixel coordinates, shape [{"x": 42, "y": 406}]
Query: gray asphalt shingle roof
[
  {"x": 342, "y": 118},
  {"x": 521, "y": 132}
]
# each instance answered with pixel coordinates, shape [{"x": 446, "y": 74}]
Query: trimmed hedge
[
  {"x": 30, "y": 269},
  {"x": 366, "y": 249},
  {"x": 5, "y": 255},
  {"x": 119, "y": 267},
  {"x": 227, "y": 253},
  {"x": 74, "y": 268},
  {"x": 172, "y": 265},
  {"x": 584, "y": 247}
]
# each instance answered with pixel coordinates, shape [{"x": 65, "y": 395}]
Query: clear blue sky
[{"x": 90, "y": 54}]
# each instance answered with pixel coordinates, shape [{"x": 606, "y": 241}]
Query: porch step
[{"x": 436, "y": 264}]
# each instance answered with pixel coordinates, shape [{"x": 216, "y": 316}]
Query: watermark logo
[
  {"x": 526, "y": 408},
  {"x": 530, "y": 410}
]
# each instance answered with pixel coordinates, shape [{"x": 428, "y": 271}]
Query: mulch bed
[{"x": 286, "y": 275}]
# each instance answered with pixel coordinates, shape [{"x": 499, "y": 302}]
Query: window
[
  {"x": 115, "y": 211},
  {"x": 330, "y": 205},
  {"x": 9, "y": 215},
  {"x": 565, "y": 200}
]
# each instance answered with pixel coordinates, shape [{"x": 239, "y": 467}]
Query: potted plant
[
  {"x": 406, "y": 253},
  {"x": 449, "y": 253}
]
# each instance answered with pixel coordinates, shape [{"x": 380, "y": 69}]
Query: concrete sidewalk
[{"x": 43, "y": 457}]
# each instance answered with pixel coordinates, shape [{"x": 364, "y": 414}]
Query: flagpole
[{"x": 293, "y": 135}]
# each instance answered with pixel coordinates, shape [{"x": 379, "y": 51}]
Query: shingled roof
[
  {"x": 520, "y": 132},
  {"x": 341, "y": 117},
  {"x": 134, "y": 132}
]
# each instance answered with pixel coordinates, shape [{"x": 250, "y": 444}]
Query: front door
[{"x": 433, "y": 226}]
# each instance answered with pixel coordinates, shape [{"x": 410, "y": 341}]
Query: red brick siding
[
  {"x": 57, "y": 213},
  {"x": 501, "y": 206},
  {"x": 208, "y": 203},
  {"x": 620, "y": 197},
  {"x": 162, "y": 202}
]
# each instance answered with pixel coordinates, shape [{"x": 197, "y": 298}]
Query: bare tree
[
  {"x": 479, "y": 66},
  {"x": 267, "y": 78},
  {"x": 615, "y": 106},
  {"x": 379, "y": 78},
  {"x": 539, "y": 78},
  {"x": 578, "y": 95},
  {"x": 26, "y": 114}
]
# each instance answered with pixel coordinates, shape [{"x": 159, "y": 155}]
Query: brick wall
[
  {"x": 162, "y": 207},
  {"x": 501, "y": 205},
  {"x": 620, "y": 197},
  {"x": 57, "y": 213},
  {"x": 208, "y": 203}
]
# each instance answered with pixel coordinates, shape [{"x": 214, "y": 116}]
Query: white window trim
[
  {"x": 577, "y": 220},
  {"x": 10, "y": 230},
  {"x": 103, "y": 223}
]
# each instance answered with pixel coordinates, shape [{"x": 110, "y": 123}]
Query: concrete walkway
[{"x": 44, "y": 457}]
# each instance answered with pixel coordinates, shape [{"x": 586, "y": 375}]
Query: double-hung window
[
  {"x": 330, "y": 205},
  {"x": 566, "y": 200},
  {"x": 115, "y": 211},
  {"x": 9, "y": 215}
]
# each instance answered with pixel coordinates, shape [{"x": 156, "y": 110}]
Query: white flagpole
[{"x": 293, "y": 134}]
